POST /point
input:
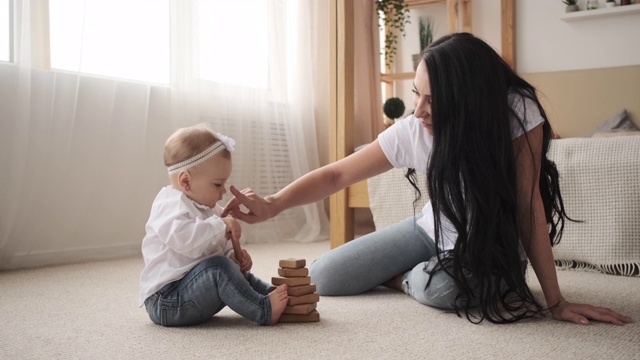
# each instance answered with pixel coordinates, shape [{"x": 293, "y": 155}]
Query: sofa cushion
[{"x": 618, "y": 123}]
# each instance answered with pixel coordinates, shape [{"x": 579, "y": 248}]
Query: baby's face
[{"x": 209, "y": 179}]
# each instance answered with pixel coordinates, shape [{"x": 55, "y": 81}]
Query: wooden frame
[
  {"x": 342, "y": 105},
  {"x": 341, "y": 130}
]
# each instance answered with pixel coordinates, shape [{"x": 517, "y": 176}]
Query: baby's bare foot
[{"x": 278, "y": 298}]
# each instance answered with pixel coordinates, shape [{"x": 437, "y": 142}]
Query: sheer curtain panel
[{"x": 81, "y": 150}]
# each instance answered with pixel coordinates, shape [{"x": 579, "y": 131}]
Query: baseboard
[{"x": 69, "y": 256}]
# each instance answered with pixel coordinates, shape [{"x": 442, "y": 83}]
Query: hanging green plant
[{"x": 394, "y": 15}]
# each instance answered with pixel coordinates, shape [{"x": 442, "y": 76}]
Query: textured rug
[{"x": 90, "y": 311}]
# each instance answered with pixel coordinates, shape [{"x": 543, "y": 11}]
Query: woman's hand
[
  {"x": 581, "y": 313},
  {"x": 260, "y": 209}
]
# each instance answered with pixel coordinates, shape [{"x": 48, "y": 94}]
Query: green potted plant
[
  {"x": 394, "y": 15},
  {"x": 425, "y": 32},
  {"x": 572, "y": 5},
  {"x": 610, "y": 3}
]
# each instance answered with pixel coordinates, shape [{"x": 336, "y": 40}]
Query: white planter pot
[
  {"x": 571, "y": 8},
  {"x": 416, "y": 60}
]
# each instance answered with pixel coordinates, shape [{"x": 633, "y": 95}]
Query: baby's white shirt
[{"x": 179, "y": 234}]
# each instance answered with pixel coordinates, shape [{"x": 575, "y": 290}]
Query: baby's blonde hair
[{"x": 188, "y": 142}]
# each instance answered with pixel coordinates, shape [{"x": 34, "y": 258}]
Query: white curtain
[{"x": 81, "y": 155}]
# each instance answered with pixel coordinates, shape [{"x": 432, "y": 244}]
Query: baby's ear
[{"x": 184, "y": 180}]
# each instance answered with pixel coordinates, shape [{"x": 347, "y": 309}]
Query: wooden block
[
  {"x": 304, "y": 299},
  {"x": 237, "y": 251},
  {"x": 301, "y": 309},
  {"x": 293, "y": 272},
  {"x": 294, "y": 281},
  {"x": 292, "y": 263},
  {"x": 313, "y": 316},
  {"x": 301, "y": 290}
]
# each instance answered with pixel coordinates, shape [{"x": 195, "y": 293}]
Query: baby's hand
[
  {"x": 233, "y": 230},
  {"x": 246, "y": 263}
]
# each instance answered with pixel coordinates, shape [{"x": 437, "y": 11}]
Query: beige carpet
[{"x": 89, "y": 311}]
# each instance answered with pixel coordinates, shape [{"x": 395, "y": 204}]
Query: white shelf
[{"x": 601, "y": 12}]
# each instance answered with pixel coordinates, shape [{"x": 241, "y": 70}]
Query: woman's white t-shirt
[{"x": 407, "y": 144}]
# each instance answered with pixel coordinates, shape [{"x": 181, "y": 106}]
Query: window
[
  {"x": 117, "y": 38},
  {"x": 234, "y": 42},
  {"x": 5, "y": 30},
  {"x": 131, "y": 39}
]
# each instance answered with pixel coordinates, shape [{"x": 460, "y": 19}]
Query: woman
[{"x": 480, "y": 134}]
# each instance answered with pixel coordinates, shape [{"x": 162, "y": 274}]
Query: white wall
[
  {"x": 485, "y": 24},
  {"x": 545, "y": 42}
]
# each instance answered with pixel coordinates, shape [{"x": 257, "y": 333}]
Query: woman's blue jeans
[
  {"x": 206, "y": 289},
  {"x": 370, "y": 260}
]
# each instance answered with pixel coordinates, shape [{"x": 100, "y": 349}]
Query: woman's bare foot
[
  {"x": 278, "y": 298},
  {"x": 395, "y": 282}
]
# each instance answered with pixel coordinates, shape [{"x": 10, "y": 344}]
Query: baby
[{"x": 190, "y": 271}]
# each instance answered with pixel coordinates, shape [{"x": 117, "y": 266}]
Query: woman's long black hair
[{"x": 472, "y": 177}]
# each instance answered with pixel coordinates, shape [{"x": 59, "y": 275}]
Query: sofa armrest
[{"x": 600, "y": 185}]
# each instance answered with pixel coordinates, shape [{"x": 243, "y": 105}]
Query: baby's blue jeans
[
  {"x": 370, "y": 260},
  {"x": 205, "y": 290}
]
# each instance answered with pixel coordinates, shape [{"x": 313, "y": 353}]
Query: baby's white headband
[{"x": 224, "y": 142}]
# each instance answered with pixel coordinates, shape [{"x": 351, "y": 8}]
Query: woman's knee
[
  {"x": 330, "y": 278},
  {"x": 321, "y": 276},
  {"x": 431, "y": 287}
]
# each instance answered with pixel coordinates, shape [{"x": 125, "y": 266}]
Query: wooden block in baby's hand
[
  {"x": 294, "y": 281},
  {"x": 293, "y": 272},
  {"x": 301, "y": 290},
  {"x": 303, "y": 299},
  {"x": 313, "y": 316},
  {"x": 292, "y": 263},
  {"x": 301, "y": 309},
  {"x": 237, "y": 251}
]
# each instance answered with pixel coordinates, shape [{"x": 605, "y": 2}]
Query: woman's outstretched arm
[
  {"x": 311, "y": 187},
  {"x": 535, "y": 237}
]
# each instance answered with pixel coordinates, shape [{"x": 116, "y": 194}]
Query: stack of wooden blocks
[{"x": 303, "y": 298}]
